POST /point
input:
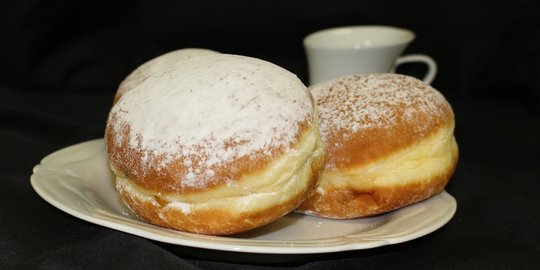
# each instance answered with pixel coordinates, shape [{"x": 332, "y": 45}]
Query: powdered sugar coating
[
  {"x": 210, "y": 110},
  {"x": 157, "y": 64},
  {"x": 376, "y": 101}
]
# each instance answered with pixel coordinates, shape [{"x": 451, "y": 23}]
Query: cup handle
[{"x": 431, "y": 64}]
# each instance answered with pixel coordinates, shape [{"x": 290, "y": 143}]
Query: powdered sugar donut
[
  {"x": 159, "y": 63},
  {"x": 219, "y": 144},
  {"x": 389, "y": 143}
]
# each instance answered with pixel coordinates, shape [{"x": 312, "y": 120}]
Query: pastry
[
  {"x": 389, "y": 143},
  {"x": 218, "y": 144}
]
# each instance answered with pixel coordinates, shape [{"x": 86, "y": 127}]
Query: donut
[
  {"x": 217, "y": 145},
  {"x": 161, "y": 62},
  {"x": 389, "y": 143}
]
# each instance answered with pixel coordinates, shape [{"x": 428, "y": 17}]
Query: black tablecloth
[{"x": 61, "y": 64}]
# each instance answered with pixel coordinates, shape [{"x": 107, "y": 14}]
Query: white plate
[{"x": 77, "y": 180}]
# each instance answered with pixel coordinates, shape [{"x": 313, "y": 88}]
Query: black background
[{"x": 61, "y": 61}]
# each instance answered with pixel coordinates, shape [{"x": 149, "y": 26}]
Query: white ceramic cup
[{"x": 349, "y": 50}]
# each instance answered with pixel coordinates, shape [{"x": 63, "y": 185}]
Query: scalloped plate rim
[{"x": 60, "y": 166}]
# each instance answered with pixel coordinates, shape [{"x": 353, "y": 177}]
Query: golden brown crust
[
  {"x": 215, "y": 145},
  {"x": 127, "y": 160},
  {"x": 397, "y": 127},
  {"x": 247, "y": 113},
  {"x": 370, "y": 145},
  {"x": 369, "y": 121},
  {"x": 349, "y": 203},
  {"x": 216, "y": 221}
]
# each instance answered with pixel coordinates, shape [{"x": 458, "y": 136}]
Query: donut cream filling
[
  {"x": 418, "y": 162},
  {"x": 281, "y": 181}
]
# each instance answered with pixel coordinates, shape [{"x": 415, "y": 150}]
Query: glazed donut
[
  {"x": 389, "y": 143},
  {"x": 218, "y": 145},
  {"x": 161, "y": 62}
]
